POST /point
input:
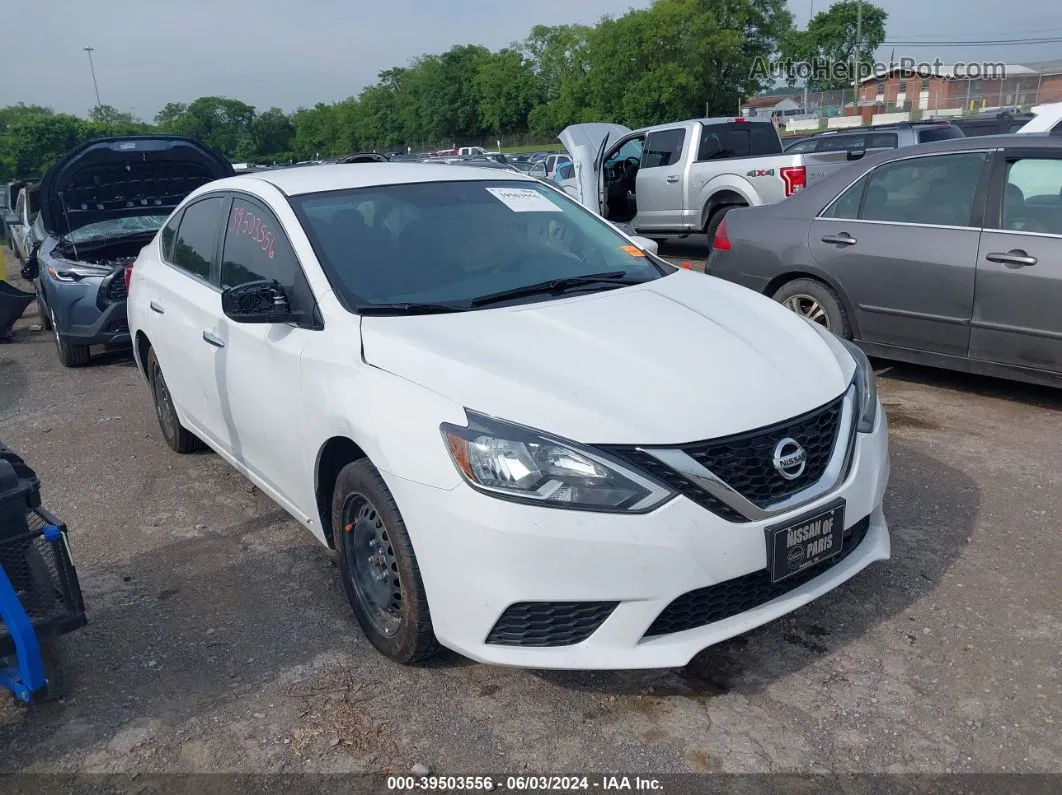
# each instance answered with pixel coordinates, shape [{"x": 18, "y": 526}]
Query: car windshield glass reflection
[{"x": 453, "y": 242}]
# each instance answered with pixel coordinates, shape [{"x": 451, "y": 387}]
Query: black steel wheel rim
[
  {"x": 164, "y": 405},
  {"x": 371, "y": 564}
]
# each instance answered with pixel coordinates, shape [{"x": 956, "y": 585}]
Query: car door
[
  {"x": 902, "y": 240},
  {"x": 659, "y": 180},
  {"x": 258, "y": 365},
  {"x": 182, "y": 301},
  {"x": 1017, "y": 318}
]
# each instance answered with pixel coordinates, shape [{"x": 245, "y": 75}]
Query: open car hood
[
  {"x": 585, "y": 143},
  {"x": 109, "y": 178}
]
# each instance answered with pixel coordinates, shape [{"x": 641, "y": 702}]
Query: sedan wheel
[
  {"x": 371, "y": 559},
  {"x": 808, "y": 307}
]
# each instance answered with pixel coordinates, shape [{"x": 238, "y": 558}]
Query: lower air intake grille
[
  {"x": 707, "y": 605},
  {"x": 549, "y": 623}
]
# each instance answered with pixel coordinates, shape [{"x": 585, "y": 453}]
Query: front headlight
[
  {"x": 518, "y": 463},
  {"x": 866, "y": 388}
]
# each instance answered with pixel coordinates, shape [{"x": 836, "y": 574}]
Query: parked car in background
[
  {"x": 946, "y": 254},
  {"x": 1047, "y": 119},
  {"x": 100, "y": 205},
  {"x": 20, "y": 228},
  {"x": 683, "y": 177},
  {"x": 363, "y": 157},
  {"x": 457, "y": 360},
  {"x": 877, "y": 136},
  {"x": 995, "y": 123}
]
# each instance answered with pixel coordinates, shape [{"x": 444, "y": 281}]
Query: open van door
[{"x": 587, "y": 143}]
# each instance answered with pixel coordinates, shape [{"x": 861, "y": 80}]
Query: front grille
[
  {"x": 745, "y": 461},
  {"x": 549, "y": 623},
  {"x": 723, "y": 600}
]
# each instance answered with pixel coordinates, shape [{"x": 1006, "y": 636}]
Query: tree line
[{"x": 676, "y": 59}]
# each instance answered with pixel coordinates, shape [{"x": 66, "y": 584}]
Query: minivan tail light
[
  {"x": 795, "y": 178},
  {"x": 721, "y": 241}
]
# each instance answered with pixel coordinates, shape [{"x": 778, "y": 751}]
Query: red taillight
[
  {"x": 740, "y": 119},
  {"x": 795, "y": 178},
  {"x": 721, "y": 241},
  {"x": 128, "y": 277}
]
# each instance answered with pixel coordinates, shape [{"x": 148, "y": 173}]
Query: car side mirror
[
  {"x": 645, "y": 244},
  {"x": 856, "y": 154},
  {"x": 257, "y": 302}
]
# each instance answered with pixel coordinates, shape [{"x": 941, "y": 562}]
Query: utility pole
[
  {"x": 855, "y": 54},
  {"x": 810, "y": 14},
  {"x": 92, "y": 69}
]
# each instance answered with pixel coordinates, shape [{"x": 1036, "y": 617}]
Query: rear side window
[
  {"x": 847, "y": 204},
  {"x": 938, "y": 190},
  {"x": 169, "y": 234},
  {"x": 928, "y": 134},
  {"x": 802, "y": 147},
  {"x": 881, "y": 141},
  {"x": 841, "y": 143},
  {"x": 197, "y": 237},
  {"x": 663, "y": 148},
  {"x": 738, "y": 139},
  {"x": 256, "y": 249}
]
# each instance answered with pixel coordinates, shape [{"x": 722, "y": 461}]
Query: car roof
[
  {"x": 319, "y": 179},
  {"x": 896, "y": 125}
]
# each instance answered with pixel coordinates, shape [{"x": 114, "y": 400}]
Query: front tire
[
  {"x": 179, "y": 438},
  {"x": 69, "y": 355},
  {"x": 817, "y": 302},
  {"x": 378, "y": 566}
]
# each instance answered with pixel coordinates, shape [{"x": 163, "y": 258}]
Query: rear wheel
[
  {"x": 379, "y": 568},
  {"x": 715, "y": 219},
  {"x": 58, "y": 671},
  {"x": 69, "y": 355},
  {"x": 817, "y": 302},
  {"x": 179, "y": 438}
]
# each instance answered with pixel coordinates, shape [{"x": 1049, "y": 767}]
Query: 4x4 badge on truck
[{"x": 761, "y": 172}]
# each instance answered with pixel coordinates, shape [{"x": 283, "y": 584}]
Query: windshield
[
  {"x": 453, "y": 242},
  {"x": 117, "y": 227}
]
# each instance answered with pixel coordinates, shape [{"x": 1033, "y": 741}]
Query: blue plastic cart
[{"x": 40, "y": 597}]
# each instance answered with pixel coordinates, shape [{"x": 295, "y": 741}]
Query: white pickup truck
[{"x": 674, "y": 179}]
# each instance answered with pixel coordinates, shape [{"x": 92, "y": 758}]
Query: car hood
[
  {"x": 584, "y": 143},
  {"x": 124, "y": 176},
  {"x": 678, "y": 359}
]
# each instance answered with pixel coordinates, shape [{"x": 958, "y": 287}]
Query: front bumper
[
  {"x": 79, "y": 319},
  {"x": 479, "y": 555}
]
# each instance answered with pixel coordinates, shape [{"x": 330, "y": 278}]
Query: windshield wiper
[
  {"x": 556, "y": 286},
  {"x": 407, "y": 309}
]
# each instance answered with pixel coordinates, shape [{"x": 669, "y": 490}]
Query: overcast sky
[{"x": 299, "y": 52}]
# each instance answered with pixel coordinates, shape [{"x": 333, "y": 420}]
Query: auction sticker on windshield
[{"x": 524, "y": 200}]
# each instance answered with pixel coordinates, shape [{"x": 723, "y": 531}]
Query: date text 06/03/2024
[{"x": 523, "y": 783}]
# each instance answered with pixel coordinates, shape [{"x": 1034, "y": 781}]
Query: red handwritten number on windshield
[{"x": 249, "y": 224}]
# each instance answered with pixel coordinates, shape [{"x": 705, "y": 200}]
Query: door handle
[
  {"x": 213, "y": 339},
  {"x": 672, "y": 179},
  {"x": 1015, "y": 258},
  {"x": 843, "y": 239},
  {"x": 157, "y": 308}
]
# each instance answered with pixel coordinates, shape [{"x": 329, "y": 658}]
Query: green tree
[
  {"x": 506, "y": 90},
  {"x": 830, "y": 42},
  {"x": 273, "y": 133}
]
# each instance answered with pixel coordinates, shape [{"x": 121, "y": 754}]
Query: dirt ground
[{"x": 220, "y": 638}]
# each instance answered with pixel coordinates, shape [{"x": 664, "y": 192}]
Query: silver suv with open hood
[{"x": 100, "y": 205}]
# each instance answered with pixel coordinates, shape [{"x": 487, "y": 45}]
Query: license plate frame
[{"x": 787, "y": 557}]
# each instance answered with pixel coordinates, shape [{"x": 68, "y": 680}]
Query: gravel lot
[{"x": 220, "y": 639}]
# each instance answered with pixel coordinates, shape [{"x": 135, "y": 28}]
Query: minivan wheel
[
  {"x": 379, "y": 568},
  {"x": 70, "y": 355},
  {"x": 817, "y": 302},
  {"x": 179, "y": 438}
]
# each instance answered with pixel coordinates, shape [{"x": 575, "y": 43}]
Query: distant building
[
  {"x": 1025, "y": 84},
  {"x": 771, "y": 105}
]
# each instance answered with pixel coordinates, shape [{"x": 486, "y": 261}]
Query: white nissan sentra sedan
[{"x": 527, "y": 439}]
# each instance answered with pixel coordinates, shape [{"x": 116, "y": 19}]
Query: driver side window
[{"x": 631, "y": 149}]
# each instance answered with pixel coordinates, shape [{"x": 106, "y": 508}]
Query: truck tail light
[
  {"x": 721, "y": 241},
  {"x": 795, "y": 178}
]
